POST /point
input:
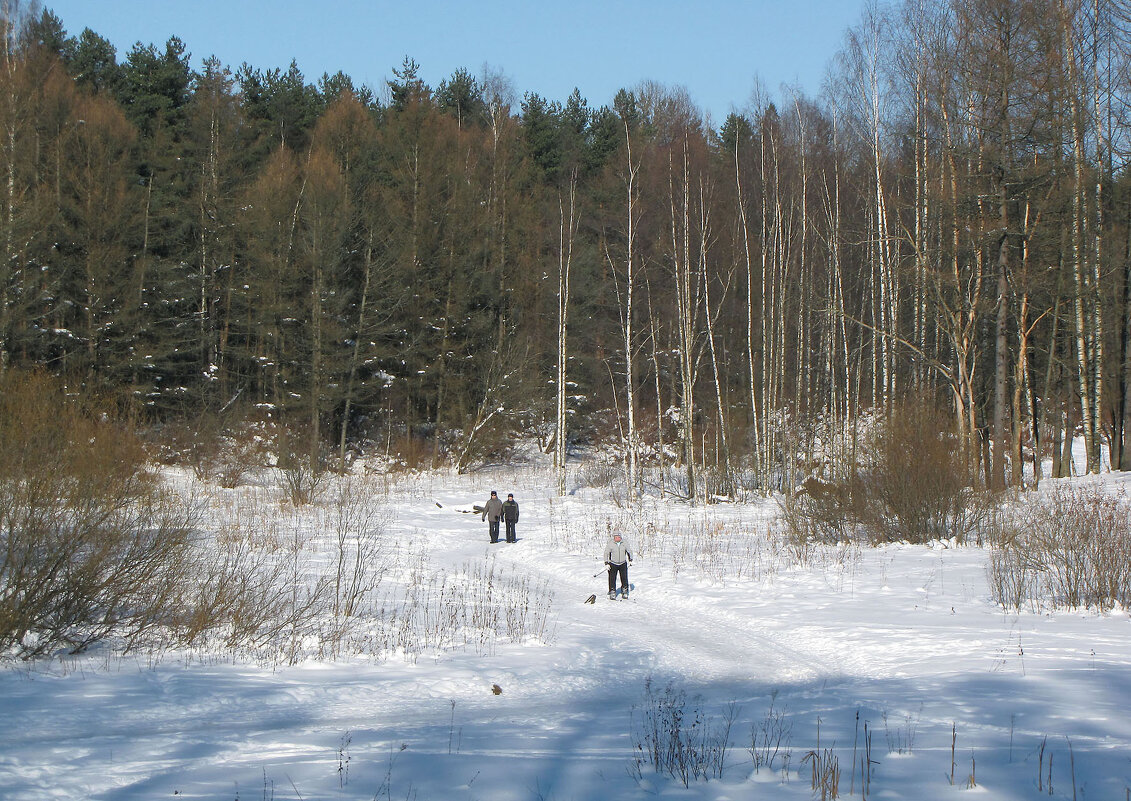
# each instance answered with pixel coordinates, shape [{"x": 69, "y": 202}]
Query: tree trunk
[{"x": 565, "y": 258}]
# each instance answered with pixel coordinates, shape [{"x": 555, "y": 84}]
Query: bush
[
  {"x": 919, "y": 490},
  {"x": 301, "y": 475},
  {"x": 599, "y": 475},
  {"x": 91, "y": 545},
  {"x": 1069, "y": 547},
  {"x": 911, "y": 486},
  {"x": 822, "y": 512},
  {"x": 221, "y": 448}
]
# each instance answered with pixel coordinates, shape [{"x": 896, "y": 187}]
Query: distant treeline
[{"x": 444, "y": 269}]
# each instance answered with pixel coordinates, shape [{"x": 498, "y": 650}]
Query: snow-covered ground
[{"x": 895, "y": 654}]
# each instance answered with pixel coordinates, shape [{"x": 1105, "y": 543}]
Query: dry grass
[
  {"x": 1068, "y": 547},
  {"x": 674, "y": 735}
]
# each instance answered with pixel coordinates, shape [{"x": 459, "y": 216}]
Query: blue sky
[{"x": 714, "y": 48}]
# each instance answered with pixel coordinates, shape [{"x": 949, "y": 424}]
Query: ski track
[
  {"x": 836, "y": 640},
  {"x": 666, "y": 628}
]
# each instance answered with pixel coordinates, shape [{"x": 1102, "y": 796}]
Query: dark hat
[
  {"x": 493, "y": 492},
  {"x": 510, "y": 494}
]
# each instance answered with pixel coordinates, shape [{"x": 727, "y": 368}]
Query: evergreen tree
[
  {"x": 155, "y": 85},
  {"x": 627, "y": 108},
  {"x": 95, "y": 63},
  {"x": 602, "y": 139},
  {"x": 736, "y": 132},
  {"x": 332, "y": 87},
  {"x": 281, "y": 106},
  {"x": 542, "y": 134},
  {"x": 575, "y": 118},
  {"x": 462, "y": 97},
  {"x": 408, "y": 89},
  {"x": 47, "y": 34}
]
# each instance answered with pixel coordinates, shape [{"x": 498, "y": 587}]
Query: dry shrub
[
  {"x": 91, "y": 545},
  {"x": 281, "y": 585},
  {"x": 301, "y": 474},
  {"x": 240, "y": 452},
  {"x": 477, "y": 606},
  {"x": 221, "y": 448},
  {"x": 408, "y": 451},
  {"x": 911, "y": 486},
  {"x": 242, "y": 596},
  {"x": 1069, "y": 547},
  {"x": 820, "y": 512},
  {"x": 600, "y": 475},
  {"x": 229, "y": 448},
  {"x": 919, "y": 490},
  {"x": 771, "y": 738}
]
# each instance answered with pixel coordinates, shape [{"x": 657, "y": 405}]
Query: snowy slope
[{"x": 901, "y": 643}]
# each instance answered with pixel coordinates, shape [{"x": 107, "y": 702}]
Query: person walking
[
  {"x": 492, "y": 513},
  {"x": 510, "y": 517},
  {"x": 617, "y": 557}
]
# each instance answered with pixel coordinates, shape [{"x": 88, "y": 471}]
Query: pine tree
[
  {"x": 95, "y": 63},
  {"x": 154, "y": 88},
  {"x": 542, "y": 135},
  {"x": 408, "y": 89},
  {"x": 462, "y": 97}
]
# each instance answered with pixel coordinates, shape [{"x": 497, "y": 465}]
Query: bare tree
[
  {"x": 567, "y": 211},
  {"x": 626, "y": 109}
]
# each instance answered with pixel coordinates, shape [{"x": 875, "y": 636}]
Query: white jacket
[{"x": 616, "y": 553}]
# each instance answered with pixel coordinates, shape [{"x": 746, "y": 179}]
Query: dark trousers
[
  {"x": 511, "y": 535},
  {"x": 494, "y": 530},
  {"x": 622, "y": 570}
]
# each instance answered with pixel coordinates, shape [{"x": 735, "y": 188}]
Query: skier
[
  {"x": 510, "y": 517},
  {"x": 492, "y": 513},
  {"x": 617, "y": 557}
]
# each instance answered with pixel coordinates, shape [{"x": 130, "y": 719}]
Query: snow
[{"x": 901, "y": 642}]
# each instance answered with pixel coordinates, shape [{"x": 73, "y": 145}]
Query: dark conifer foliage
[
  {"x": 462, "y": 97},
  {"x": 94, "y": 63},
  {"x": 949, "y": 222},
  {"x": 154, "y": 86}
]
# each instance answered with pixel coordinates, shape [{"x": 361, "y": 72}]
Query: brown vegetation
[
  {"x": 91, "y": 546},
  {"x": 912, "y": 485}
]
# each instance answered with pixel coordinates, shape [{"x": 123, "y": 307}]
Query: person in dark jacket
[
  {"x": 617, "y": 557},
  {"x": 510, "y": 517},
  {"x": 493, "y": 513}
]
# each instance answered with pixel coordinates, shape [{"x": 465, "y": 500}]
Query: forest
[{"x": 438, "y": 274}]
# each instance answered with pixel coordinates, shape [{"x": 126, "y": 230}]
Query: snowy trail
[
  {"x": 904, "y": 638},
  {"x": 664, "y": 627},
  {"x": 681, "y": 633}
]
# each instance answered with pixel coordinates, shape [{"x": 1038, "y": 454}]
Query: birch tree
[
  {"x": 626, "y": 109},
  {"x": 567, "y": 231}
]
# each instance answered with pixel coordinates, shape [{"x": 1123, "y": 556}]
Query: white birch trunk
[{"x": 565, "y": 259}]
